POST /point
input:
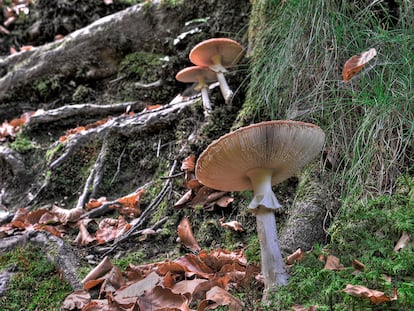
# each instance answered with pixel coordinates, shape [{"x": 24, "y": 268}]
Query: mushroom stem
[
  {"x": 273, "y": 267},
  {"x": 206, "y": 100},
  {"x": 224, "y": 87},
  {"x": 263, "y": 204},
  {"x": 262, "y": 187}
]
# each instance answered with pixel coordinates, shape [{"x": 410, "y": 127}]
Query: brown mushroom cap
[
  {"x": 283, "y": 146},
  {"x": 195, "y": 73},
  {"x": 204, "y": 52}
]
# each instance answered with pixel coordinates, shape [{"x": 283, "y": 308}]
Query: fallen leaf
[
  {"x": 186, "y": 235},
  {"x": 76, "y": 300},
  {"x": 358, "y": 265},
  {"x": 188, "y": 164},
  {"x": 161, "y": 299},
  {"x": 402, "y": 242},
  {"x": 103, "y": 267},
  {"x": 220, "y": 297},
  {"x": 95, "y": 203},
  {"x": 333, "y": 263},
  {"x": 184, "y": 199},
  {"x": 373, "y": 295},
  {"x": 109, "y": 229},
  {"x": 131, "y": 203},
  {"x": 128, "y": 295},
  {"x": 356, "y": 63},
  {"x": 67, "y": 215},
  {"x": 84, "y": 237},
  {"x": 234, "y": 225},
  {"x": 294, "y": 257}
]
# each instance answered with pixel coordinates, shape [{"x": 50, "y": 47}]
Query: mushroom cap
[
  {"x": 284, "y": 146},
  {"x": 229, "y": 50},
  {"x": 194, "y": 73}
]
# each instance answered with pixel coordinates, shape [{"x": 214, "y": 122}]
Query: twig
[{"x": 118, "y": 167}]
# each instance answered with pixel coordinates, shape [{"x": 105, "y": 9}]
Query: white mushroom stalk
[
  {"x": 220, "y": 70},
  {"x": 263, "y": 204},
  {"x": 203, "y": 88}
]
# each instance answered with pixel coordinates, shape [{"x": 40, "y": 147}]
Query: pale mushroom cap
[
  {"x": 204, "y": 52},
  {"x": 194, "y": 73},
  {"x": 281, "y": 145}
]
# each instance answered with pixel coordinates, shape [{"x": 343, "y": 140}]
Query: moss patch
[{"x": 36, "y": 284}]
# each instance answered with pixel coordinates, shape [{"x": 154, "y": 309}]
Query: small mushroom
[
  {"x": 254, "y": 158},
  {"x": 218, "y": 54},
  {"x": 200, "y": 75}
]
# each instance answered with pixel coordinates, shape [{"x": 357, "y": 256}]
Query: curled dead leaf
[
  {"x": 373, "y": 295},
  {"x": 186, "y": 235},
  {"x": 294, "y": 257},
  {"x": 356, "y": 63},
  {"x": 234, "y": 225},
  {"x": 333, "y": 263},
  {"x": 402, "y": 242}
]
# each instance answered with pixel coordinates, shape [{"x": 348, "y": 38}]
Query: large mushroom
[
  {"x": 201, "y": 76},
  {"x": 218, "y": 54},
  {"x": 254, "y": 158}
]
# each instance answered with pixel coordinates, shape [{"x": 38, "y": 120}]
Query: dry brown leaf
[
  {"x": 184, "y": 199},
  {"x": 220, "y": 297},
  {"x": 358, "y": 265},
  {"x": 101, "y": 269},
  {"x": 163, "y": 299},
  {"x": 128, "y": 295},
  {"x": 193, "y": 265},
  {"x": 131, "y": 203},
  {"x": 51, "y": 229},
  {"x": 95, "y": 203},
  {"x": 234, "y": 225},
  {"x": 109, "y": 229},
  {"x": 333, "y": 263},
  {"x": 188, "y": 164},
  {"x": 186, "y": 235},
  {"x": 100, "y": 305},
  {"x": 356, "y": 63},
  {"x": 402, "y": 242},
  {"x": 224, "y": 201},
  {"x": 294, "y": 257},
  {"x": 76, "y": 300},
  {"x": 187, "y": 286},
  {"x": 373, "y": 295},
  {"x": 84, "y": 237},
  {"x": 67, "y": 215}
]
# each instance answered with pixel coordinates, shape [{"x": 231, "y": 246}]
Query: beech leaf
[
  {"x": 356, "y": 63},
  {"x": 373, "y": 295},
  {"x": 333, "y": 263},
  {"x": 186, "y": 235}
]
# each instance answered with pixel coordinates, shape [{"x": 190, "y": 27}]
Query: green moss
[
  {"x": 36, "y": 285},
  {"x": 51, "y": 153},
  {"x": 46, "y": 89},
  {"x": 22, "y": 144},
  {"x": 135, "y": 258},
  {"x": 142, "y": 66}
]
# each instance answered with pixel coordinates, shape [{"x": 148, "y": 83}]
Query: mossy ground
[{"x": 35, "y": 283}]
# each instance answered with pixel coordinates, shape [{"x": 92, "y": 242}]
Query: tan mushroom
[
  {"x": 254, "y": 158},
  {"x": 201, "y": 76},
  {"x": 218, "y": 54}
]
